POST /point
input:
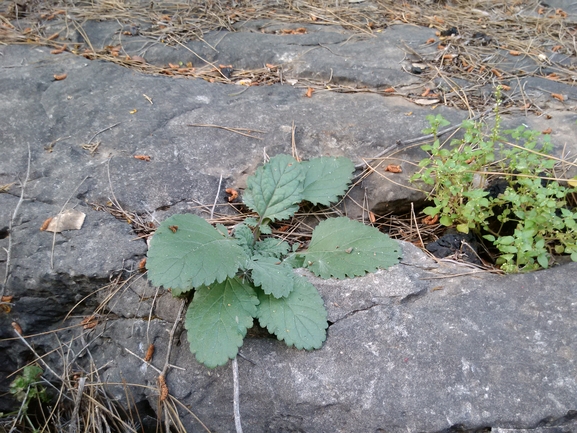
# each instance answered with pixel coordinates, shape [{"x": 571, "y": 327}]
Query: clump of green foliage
[
  {"x": 530, "y": 220},
  {"x": 26, "y": 388},
  {"x": 249, "y": 273}
]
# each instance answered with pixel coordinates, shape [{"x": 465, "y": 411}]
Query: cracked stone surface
[
  {"x": 411, "y": 349},
  {"x": 414, "y": 348}
]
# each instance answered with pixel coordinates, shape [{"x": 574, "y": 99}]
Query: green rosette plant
[{"x": 249, "y": 275}]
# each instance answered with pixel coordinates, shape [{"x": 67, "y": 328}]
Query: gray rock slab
[
  {"x": 328, "y": 54},
  {"x": 416, "y": 348},
  {"x": 410, "y": 349},
  {"x": 94, "y": 105},
  {"x": 332, "y": 55},
  {"x": 49, "y": 274}
]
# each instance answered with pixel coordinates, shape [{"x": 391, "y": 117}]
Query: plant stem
[
  {"x": 235, "y": 403},
  {"x": 256, "y": 233}
]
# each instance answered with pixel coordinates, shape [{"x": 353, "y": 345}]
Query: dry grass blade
[
  {"x": 241, "y": 131},
  {"x": 82, "y": 403}
]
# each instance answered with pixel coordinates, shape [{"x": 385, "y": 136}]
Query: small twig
[
  {"x": 471, "y": 249},
  {"x": 414, "y": 218},
  {"x": 74, "y": 426},
  {"x": 239, "y": 93},
  {"x": 200, "y": 58},
  {"x": 163, "y": 390},
  {"x": 24, "y": 402},
  {"x": 216, "y": 197},
  {"x": 365, "y": 163},
  {"x": 11, "y": 224},
  {"x": 405, "y": 143},
  {"x": 101, "y": 131},
  {"x": 246, "y": 359},
  {"x": 185, "y": 408},
  {"x": 293, "y": 143},
  {"x": 236, "y": 404},
  {"x": 544, "y": 155},
  {"x": 23, "y": 340},
  {"x": 166, "y": 421},
  {"x": 143, "y": 360},
  {"x": 50, "y": 147},
  {"x": 171, "y": 337},
  {"x": 226, "y": 128},
  {"x": 115, "y": 201}
]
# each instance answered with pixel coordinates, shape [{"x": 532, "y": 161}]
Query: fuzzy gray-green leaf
[
  {"x": 341, "y": 248},
  {"x": 218, "y": 318},
  {"x": 300, "y": 319},
  {"x": 273, "y": 276},
  {"x": 271, "y": 247},
  {"x": 245, "y": 238},
  {"x": 326, "y": 179},
  {"x": 186, "y": 252},
  {"x": 276, "y": 188}
]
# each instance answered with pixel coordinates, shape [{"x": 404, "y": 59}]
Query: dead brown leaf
[
  {"x": 233, "y": 194},
  {"x": 425, "y": 101},
  {"x": 430, "y": 220},
  {"x": 6, "y": 307},
  {"x": 558, "y": 96},
  {"x": 89, "y": 322},
  {"x": 70, "y": 219},
  {"x": 372, "y": 217},
  {"x": 17, "y": 328},
  {"x": 45, "y": 224},
  {"x": 149, "y": 353},
  {"x": 299, "y": 31},
  {"x": 163, "y": 387},
  {"x": 394, "y": 168},
  {"x": 142, "y": 265},
  {"x": 59, "y": 50},
  {"x": 561, "y": 13}
]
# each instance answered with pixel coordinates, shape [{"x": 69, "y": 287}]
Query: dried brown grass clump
[
  {"x": 79, "y": 399},
  {"x": 523, "y": 27},
  {"x": 487, "y": 32}
]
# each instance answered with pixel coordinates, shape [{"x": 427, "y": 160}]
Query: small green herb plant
[
  {"x": 529, "y": 220},
  {"x": 26, "y": 388},
  {"x": 249, "y": 274}
]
